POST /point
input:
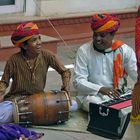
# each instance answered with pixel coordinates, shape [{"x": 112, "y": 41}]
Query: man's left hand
[{"x": 68, "y": 93}]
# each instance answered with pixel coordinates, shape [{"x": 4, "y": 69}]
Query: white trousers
[
  {"x": 83, "y": 101},
  {"x": 6, "y": 112}
]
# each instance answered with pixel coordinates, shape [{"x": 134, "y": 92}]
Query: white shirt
[{"x": 94, "y": 70}]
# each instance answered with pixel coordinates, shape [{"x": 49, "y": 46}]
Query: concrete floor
[{"x": 62, "y": 135}]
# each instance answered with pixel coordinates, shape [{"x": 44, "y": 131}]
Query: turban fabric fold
[
  {"x": 104, "y": 23},
  {"x": 24, "y": 32}
]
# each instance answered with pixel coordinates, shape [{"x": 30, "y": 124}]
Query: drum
[{"x": 42, "y": 108}]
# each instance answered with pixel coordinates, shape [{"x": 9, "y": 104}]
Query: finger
[
  {"x": 114, "y": 94},
  {"x": 69, "y": 98},
  {"x": 117, "y": 93},
  {"x": 110, "y": 94}
]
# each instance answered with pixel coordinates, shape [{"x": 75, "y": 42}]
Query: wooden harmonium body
[{"x": 110, "y": 119}]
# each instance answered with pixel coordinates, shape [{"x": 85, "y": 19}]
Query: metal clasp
[{"x": 103, "y": 113}]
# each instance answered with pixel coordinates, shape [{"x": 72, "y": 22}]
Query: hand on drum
[
  {"x": 68, "y": 93},
  {"x": 2, "y": 91},
  {"x": 112, "y": 93}
]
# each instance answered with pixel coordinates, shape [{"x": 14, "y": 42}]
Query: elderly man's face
[
  {"x": 34, "y": 44},
  {"x": 102, "y": 40}
]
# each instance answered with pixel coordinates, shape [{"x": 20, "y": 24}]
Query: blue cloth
[
  {"x": 6, "y": 112},
  {"x": 14, "y": 131}
]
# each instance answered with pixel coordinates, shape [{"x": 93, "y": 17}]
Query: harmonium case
[{"x": 109, "y": 120}]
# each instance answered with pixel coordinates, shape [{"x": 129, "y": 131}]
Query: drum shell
[{"x": 46, "y": 108}]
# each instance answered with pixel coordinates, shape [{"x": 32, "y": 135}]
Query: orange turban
[
  {"x": 104, "y": 23},
  {"x": 24, "y": 32}
]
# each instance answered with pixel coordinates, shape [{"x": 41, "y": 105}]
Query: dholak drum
[{"x": 42, "y": 108}]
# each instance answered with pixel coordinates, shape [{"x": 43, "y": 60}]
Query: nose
[
  {"x": 98, "y": 38},
  {"x": 39, "y": 41}
]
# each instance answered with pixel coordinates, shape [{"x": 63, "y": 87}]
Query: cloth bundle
[{"x": 16, "y": 132}]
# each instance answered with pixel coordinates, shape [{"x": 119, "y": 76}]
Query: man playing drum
[{"x": 28, "y": 69}]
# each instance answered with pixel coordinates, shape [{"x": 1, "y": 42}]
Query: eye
[
  {"x": 100, "y": 34},
  {"x": 34, "y": 39},
  {"x": 39, "y": 37},
  {"x": 103, "y": 34},
  {"x": 95, "y": 34}
]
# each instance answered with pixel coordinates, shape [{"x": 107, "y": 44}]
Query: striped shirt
[{"x": 29, "y": 81}]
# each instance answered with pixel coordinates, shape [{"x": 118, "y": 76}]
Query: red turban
[
  {"x": 104, "y": 23},
  {"x": 24, "y": 32}
]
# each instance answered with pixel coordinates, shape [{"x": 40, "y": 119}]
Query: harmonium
[{"x": 111, "y": 118}]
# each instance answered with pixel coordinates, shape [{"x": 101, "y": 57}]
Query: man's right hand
[
  {"x": 2, "y": 91},
  {"x": 112, "y": 93}
]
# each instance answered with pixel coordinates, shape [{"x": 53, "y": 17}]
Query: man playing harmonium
[
  {"x": 102, "y": 65},
  {"x": 28, "y": 69}
]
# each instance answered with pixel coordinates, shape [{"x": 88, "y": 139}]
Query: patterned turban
[
  {"x": 24, "y": 32},
  {"x": 104, "y": 23}
]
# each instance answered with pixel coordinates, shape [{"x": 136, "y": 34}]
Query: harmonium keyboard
[{"x": 119, "y": 103}]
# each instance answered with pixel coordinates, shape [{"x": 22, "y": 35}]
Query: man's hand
[
  {"x": 136, "y": 100},
  {"x": 2, "y": 94},
  {"x": 68, "y": 93},
  {"x": 112, "y": 93},
  {"x": 2, "y": 91}
]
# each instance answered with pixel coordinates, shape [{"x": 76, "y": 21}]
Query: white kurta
[{"x": 94, "y": 70}]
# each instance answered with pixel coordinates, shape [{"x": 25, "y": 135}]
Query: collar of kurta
[{"x": 115, "y": 45}]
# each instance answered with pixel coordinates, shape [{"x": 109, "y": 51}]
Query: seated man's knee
[{"x": 6, "y": 113}]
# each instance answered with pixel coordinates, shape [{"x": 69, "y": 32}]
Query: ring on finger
[{"x": 110, "y": 92}]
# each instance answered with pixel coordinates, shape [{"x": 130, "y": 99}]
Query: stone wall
[{"x": 63, "y": 8}]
